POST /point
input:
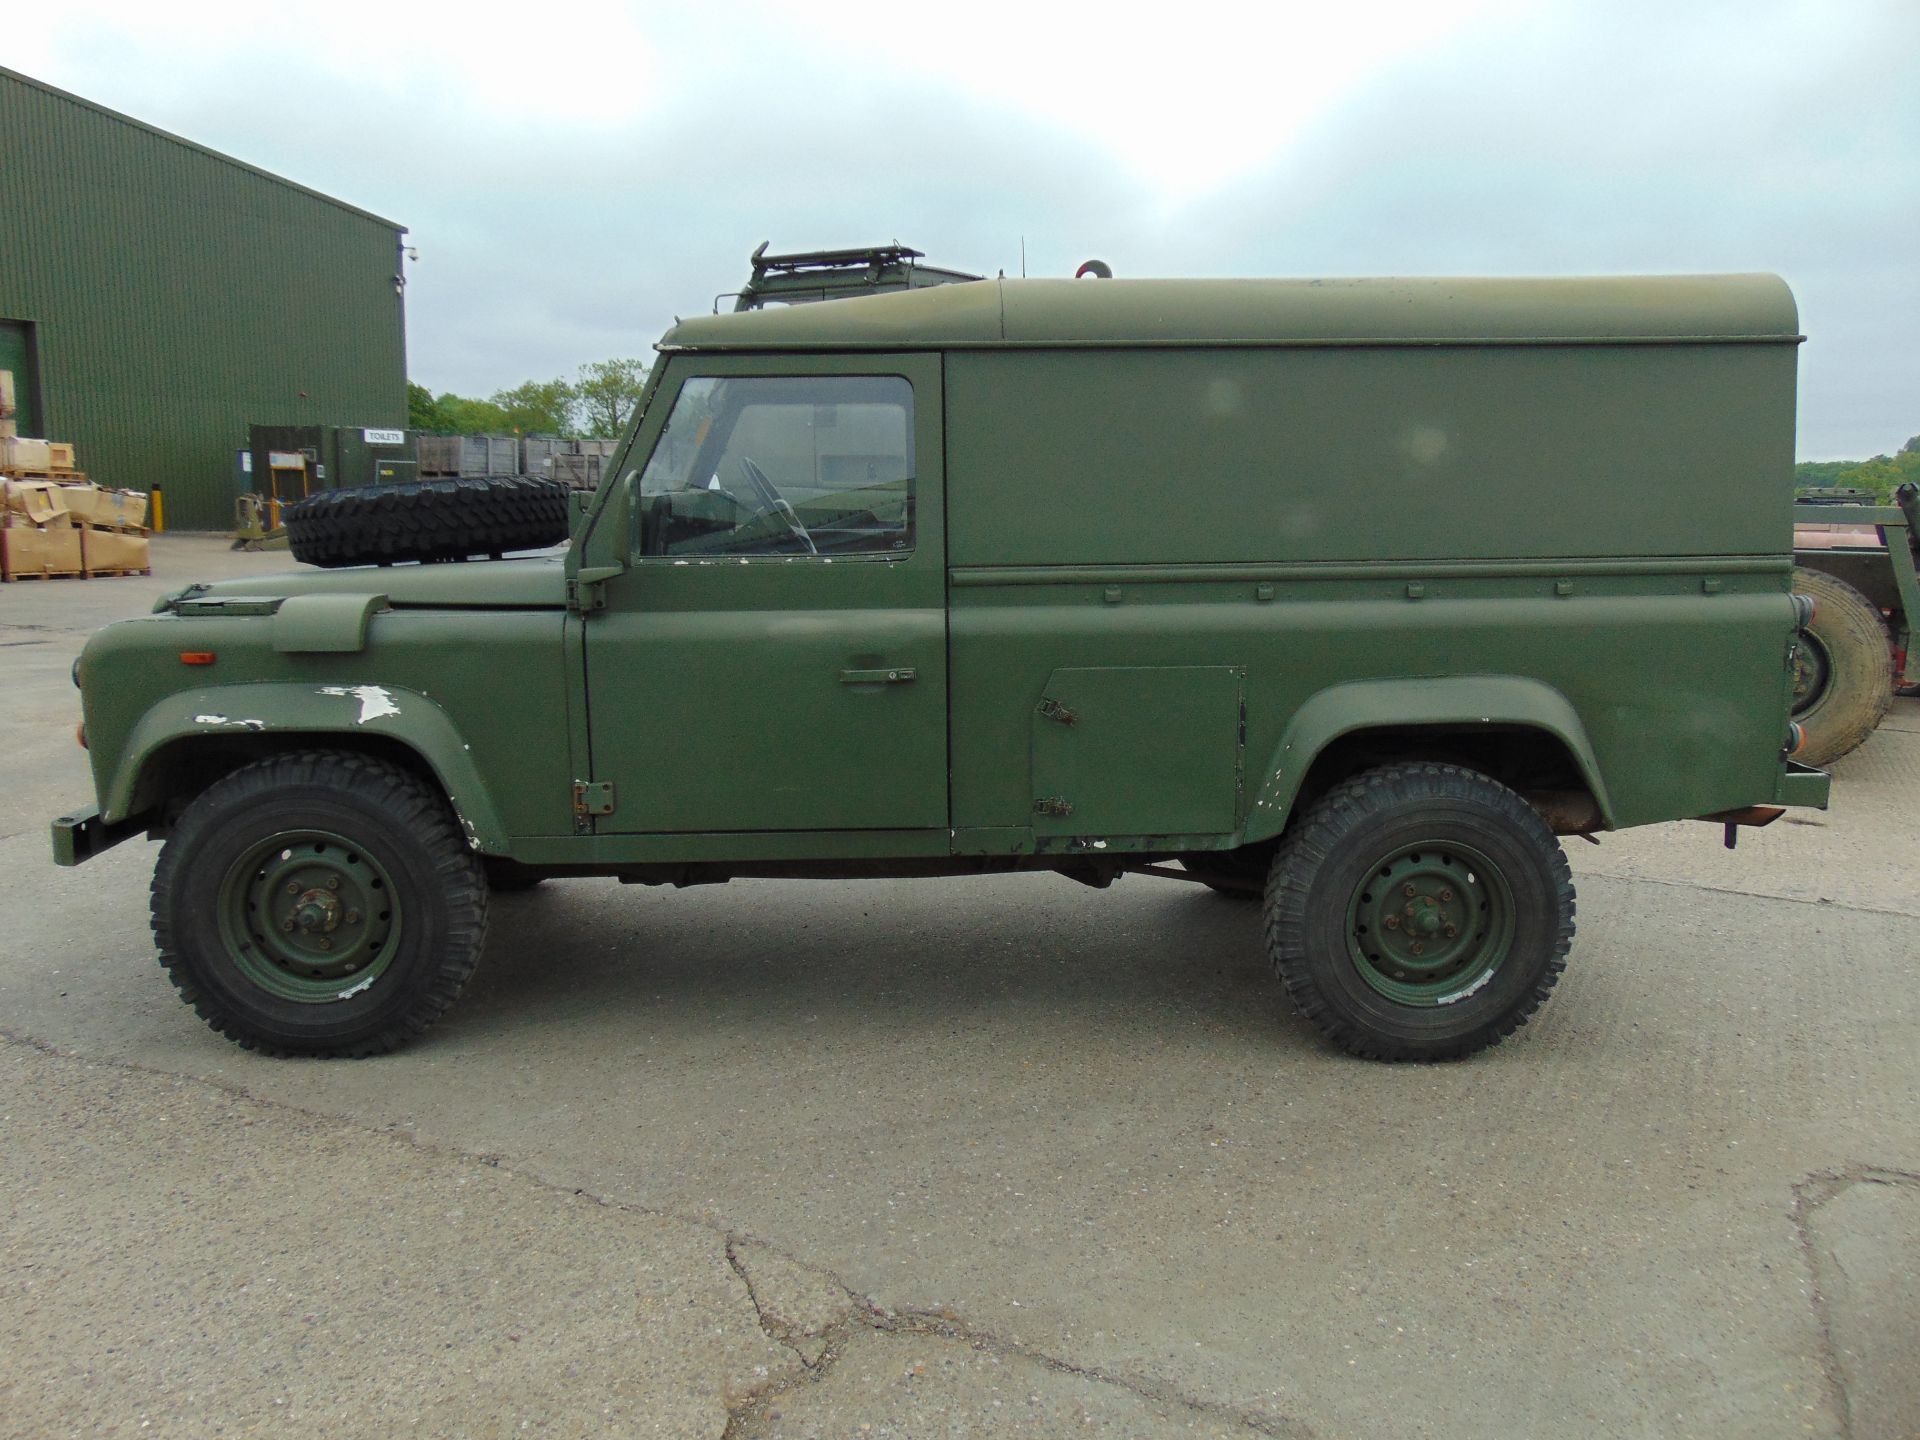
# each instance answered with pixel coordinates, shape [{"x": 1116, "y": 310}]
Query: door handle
[{"x": 898, "y": 675}]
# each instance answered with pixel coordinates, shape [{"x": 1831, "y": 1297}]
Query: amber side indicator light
[
  {"x": 80, "y": 734},
  {"x": 196, "y": 657}
]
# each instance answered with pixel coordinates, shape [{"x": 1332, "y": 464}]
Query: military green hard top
[{"x": 1606, "y": 310}]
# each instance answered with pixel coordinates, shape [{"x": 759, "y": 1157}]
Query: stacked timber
[
  {"x": 444, "y": 456},
  {"x": 573, "y": 462}
]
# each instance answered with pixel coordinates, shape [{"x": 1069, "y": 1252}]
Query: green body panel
[
  {"x": 1126, "y": 314},
  {"x": 1145, "y": 750},
  {"x": 1664, "y": 734},
  {"x": 1170, "y": 544},
  {"x": 479, "y": 723},
  {"x": 520, "y": 584},
  {"x": 324, "y": 624},
  {"x": 356, "y": 711},
  {"x": 1401, "y": 453},
  {"x": 754, "y": 694}
]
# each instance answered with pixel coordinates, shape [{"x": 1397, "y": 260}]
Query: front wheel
[
  {"x": 1419, "y": 912},
  {"x": 321, "y": 903}
]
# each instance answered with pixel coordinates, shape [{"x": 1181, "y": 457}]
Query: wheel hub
[
  {"x": 309, "y": 916},
  {"x": 1812, "y": 669},
  {"x": 1429, "y": 924}
]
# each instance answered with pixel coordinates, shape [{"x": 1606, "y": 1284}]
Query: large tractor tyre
[
  {"x": 1419, "y": 912},
  {"x": 427, "y": 520},
  {"x": 1842, "y": 668},
  {"x": 319, "y": 903}
]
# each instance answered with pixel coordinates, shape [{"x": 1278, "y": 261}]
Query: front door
[{"x": 774, "y": 656}]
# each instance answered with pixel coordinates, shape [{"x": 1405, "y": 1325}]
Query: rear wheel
[
  {"x": 322, "y": 903},
  {"x": 1419, "y": 912},
  {"x": 1842, "y": 671}
]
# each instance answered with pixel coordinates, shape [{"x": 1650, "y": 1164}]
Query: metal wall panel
[{"x": 178, "y": 296}]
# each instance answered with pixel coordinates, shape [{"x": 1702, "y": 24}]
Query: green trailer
[{"x": 1856, "y": 562}]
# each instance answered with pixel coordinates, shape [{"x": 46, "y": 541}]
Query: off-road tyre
[
  {"x": 1414, "y": 833},
  {"x": 370, "y": 850},
  {"x": 1843, "y": 668},
  {"x": 427, "y": 520}
]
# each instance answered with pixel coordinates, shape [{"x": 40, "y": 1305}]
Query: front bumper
[{"x": 82, "y": 834}]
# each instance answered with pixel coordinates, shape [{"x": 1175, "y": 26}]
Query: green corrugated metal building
[{"x": 157, "y": 297}]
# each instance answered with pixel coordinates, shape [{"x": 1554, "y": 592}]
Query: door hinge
[
  {"x": 1054, "y": 710},
  {"x": 1055, "y": 805},
  {"x": 592, "y": 797},
  {"x": 586, "y": 591}
]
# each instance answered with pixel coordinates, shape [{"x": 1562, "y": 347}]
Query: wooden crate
[
  {"x": 34, "y": 552},
  {"x": 114, "y": 552},
  {"x": 536, "y": 454},
  {"x": 438, "y": 455},
  {"x": 582, "y": 472},
  {"x": 106, "y": 509}
]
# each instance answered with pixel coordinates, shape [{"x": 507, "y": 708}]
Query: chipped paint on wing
[
  {"x": 375, "y": 700},
  {"x": 223, "y": 720}
]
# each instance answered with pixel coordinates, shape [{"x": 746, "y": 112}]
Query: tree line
[
  {"x": 598, "y": 401},
  {"x": 1880, "y": 474}
]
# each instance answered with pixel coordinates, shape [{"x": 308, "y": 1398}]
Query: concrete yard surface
[{"x": 983, "y": 1157}]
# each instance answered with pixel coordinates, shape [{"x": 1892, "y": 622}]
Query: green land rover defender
[{"x": 1347, "y": 597}]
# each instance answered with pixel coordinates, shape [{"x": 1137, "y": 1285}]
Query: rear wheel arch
[{"x": 1521, "y": 733}]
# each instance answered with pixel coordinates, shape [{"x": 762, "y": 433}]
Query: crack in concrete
[
  {"x": 863, "y": 1311},
  {"x": 1809, "y": 1194},
  {"x": 1821, "y": 903}
]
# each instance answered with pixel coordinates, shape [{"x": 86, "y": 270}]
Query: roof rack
[
  {"x": 832, "y": 274},
  {"x": 876, "y": 256}
]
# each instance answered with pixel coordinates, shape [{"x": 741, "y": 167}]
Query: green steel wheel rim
[
  {"x": 1430, "y": 923},
  {"x": 309, "y": 916}
]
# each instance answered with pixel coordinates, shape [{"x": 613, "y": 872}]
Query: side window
[{"x": 782, "y": 465}]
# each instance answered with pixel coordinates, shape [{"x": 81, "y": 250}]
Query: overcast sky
[{"x": 578, "y": 172}]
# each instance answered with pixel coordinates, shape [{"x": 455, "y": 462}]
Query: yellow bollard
[{"x": 159, "y": 516}]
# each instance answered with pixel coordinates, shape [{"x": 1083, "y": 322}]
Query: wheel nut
[
  {"x": 287, "y": 924},
  {"x": 1418, "y": 948},
  {"x": 1392, "y": 922},
  {"x": 293, "y": 887},
  {"x": 1408, "y": 889},
  {"x": 353, "y": 917},
  {"x": 333, "y": 882},
  {"x": 325, "y": 943},
  {"x": 1446, "y": 895},
  {"x": 1452, "y": 930}
]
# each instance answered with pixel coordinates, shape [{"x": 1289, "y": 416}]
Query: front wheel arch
[{"x": 189, "y": 740}]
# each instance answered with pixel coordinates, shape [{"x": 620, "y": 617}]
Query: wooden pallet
[{"x": 58, "y": 474}]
